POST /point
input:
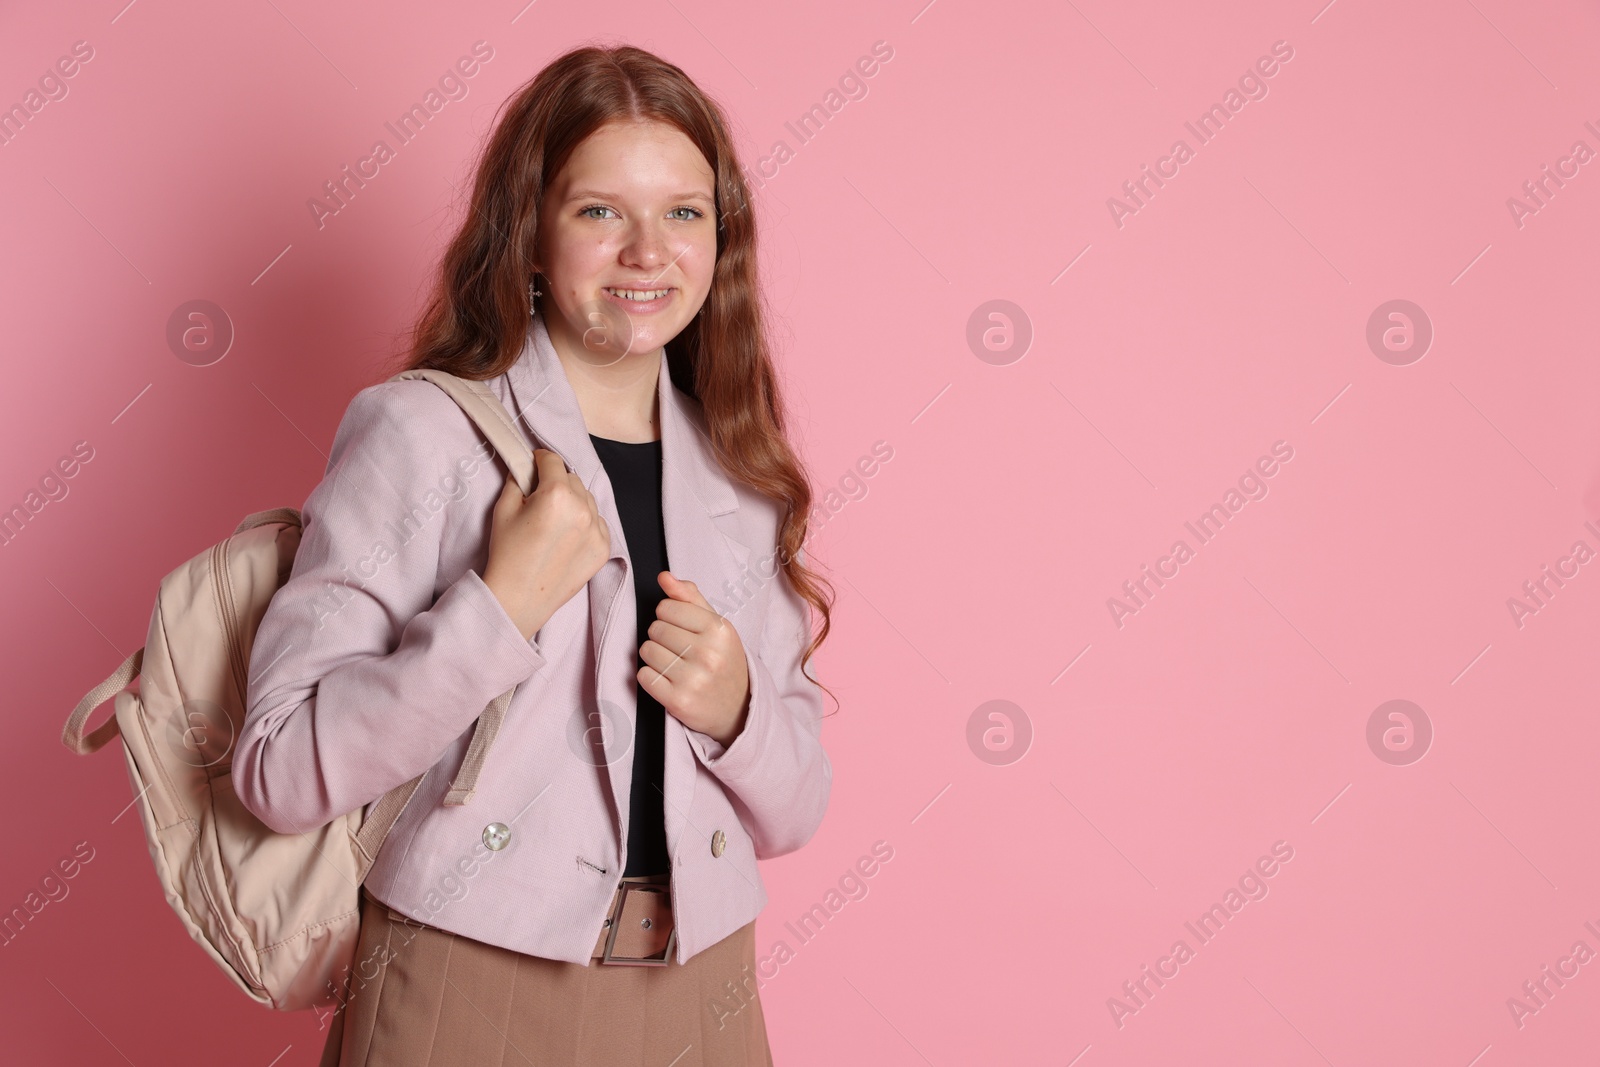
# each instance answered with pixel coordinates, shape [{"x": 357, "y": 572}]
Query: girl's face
[{"x": 627, "y": 242}]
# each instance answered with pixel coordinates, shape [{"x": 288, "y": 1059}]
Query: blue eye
[{"x": 694, "y": 213}]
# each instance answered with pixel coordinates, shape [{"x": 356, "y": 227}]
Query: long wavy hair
[{"x": 475, "y": 321}]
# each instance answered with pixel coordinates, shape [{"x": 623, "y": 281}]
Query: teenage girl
[{"x": 593, "y": 900}]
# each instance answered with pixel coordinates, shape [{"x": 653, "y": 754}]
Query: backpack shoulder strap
[
  {"x": 289, "y": 516},
  {"x": 490, "y": 416},
  {"x": 379, "y": 820}
]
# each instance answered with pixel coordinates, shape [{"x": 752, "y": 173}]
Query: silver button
[
  {"x": 495, "y": 835},
  {"x": 645, "y": 922},
  {"x": 719, "y": 841}
]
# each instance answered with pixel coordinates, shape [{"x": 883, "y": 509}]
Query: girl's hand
[
  {"x": 545, "y": 546},
  {"x": 695, "y": 663}
]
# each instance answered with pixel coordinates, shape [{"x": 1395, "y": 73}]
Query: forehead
[{"x": 642, "y": 159}]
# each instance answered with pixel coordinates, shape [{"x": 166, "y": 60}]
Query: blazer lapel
[{"x": 694, "y": 493}]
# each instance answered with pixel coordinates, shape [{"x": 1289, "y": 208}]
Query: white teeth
[{"x": 639, "y": 294}]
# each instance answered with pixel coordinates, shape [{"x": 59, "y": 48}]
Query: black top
[{"x": 634, "y": 470}]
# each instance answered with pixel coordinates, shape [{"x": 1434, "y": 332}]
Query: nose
[{"x": 647, "y": 247}]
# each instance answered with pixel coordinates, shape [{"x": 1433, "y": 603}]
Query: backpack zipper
[{"x": 223, "y": 588}]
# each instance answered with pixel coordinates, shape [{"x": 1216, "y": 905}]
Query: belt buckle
[{"x": 616, "y": 924}]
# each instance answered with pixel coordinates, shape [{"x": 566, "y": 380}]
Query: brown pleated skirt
[{"x": 441, "y": 1000}]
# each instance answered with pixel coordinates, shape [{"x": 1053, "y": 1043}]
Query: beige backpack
[{"x": 278, "y": 912}]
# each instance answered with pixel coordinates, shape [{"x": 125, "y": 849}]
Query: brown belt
[{"x": 638, "y": 929}]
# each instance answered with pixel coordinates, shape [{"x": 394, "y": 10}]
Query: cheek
[
  {"x": 582, "y": 260},
  {"x": 702, "y": 258},
  {"x": 573, "y": 256}
]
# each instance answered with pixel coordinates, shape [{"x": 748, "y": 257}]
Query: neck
[{"x": 618, "y": 396}]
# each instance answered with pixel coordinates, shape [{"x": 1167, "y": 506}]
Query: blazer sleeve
[
  {"x": 359, "y": 678},
  {"x": 776, "y": 766}
]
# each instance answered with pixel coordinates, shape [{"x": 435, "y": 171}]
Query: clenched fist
[{"x": 545, "y": 546}]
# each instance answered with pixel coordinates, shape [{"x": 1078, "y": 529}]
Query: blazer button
[
  {"x": 719, "y": 841},
  {"x": 495, "y": 835}
]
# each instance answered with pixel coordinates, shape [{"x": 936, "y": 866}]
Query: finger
[
  {"x": 547, "y": 464},
  {"x": 509, "y": 491},
  {"x": 659, "y": 686},
  {"x": 671, "y": 665},
  {"x": 691, "y": 617},
  {"x": 510, "y": 502},
  {"x": 681, "y": 589},
  {"x": 673, "y": 638}
]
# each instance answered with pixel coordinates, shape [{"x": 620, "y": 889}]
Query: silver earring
[{"x": 532, "y": 292}]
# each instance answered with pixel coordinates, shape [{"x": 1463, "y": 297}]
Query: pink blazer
[{"x": 375, "y": 658}]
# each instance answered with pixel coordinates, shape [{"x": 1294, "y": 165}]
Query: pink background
[{"x": 1230, "y": 312}]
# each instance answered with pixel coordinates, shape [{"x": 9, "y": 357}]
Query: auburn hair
[{"x": 475, "y": 322}]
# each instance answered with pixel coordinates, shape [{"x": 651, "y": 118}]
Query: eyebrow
[{"x": 589, "y": 194}]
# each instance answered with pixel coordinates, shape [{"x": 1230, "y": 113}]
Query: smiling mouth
[{"x": 641, "y": 296}]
